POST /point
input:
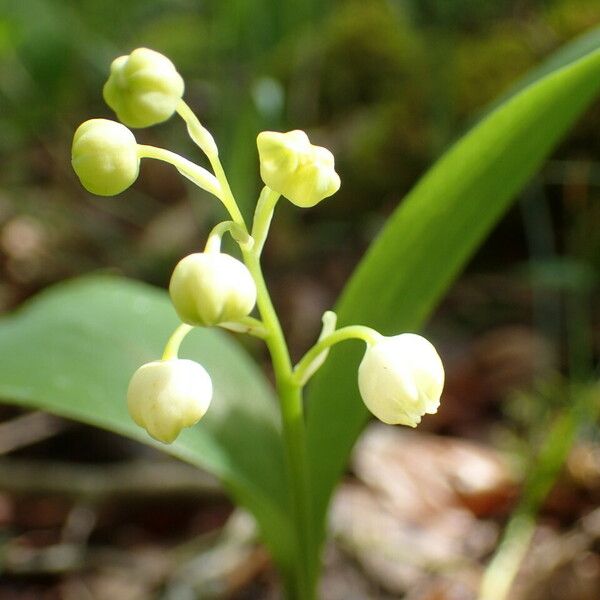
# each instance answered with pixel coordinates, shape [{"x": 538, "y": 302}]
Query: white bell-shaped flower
[
  {"x": 401, "y": 378},
  {"x": 165, "y": 396},
  {"x": 295, "y": 168},
  {"x": 208, "y": 288}
]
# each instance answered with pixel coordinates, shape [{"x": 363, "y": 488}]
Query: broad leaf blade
[
  {"x": 428, "y": 240},
  {"x": 72, "y": 350}
]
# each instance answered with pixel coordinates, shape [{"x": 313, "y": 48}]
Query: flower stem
[
  {"x": 195, "y": 173},
  {"x": 199, "y": 134},
  {"x": 205, "y": 142},
  {"x": 172, "y": 348},
  {"x": 248, "y": 325},
  {"x": 294, "y": 429},
  {"x": 289, "y": 392},
  {"x": 238, "y": 233},
  {"x": 263, "y": 215},
  {"x": 290, "y": 398},
  {"x": 302, "y": 369}
]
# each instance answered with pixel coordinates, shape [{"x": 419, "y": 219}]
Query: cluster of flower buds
[{"x": 400, "y": 378}]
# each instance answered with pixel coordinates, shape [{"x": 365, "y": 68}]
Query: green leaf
[
  {"x": 72, "y": 350},
  {"x": 429, "y": 239}
]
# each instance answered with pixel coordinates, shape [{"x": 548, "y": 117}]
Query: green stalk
[
  {"x": 294, "y": 430},
  {"x": 205, "y": 142},
  {"x": 303, "y": 369},
  {"x": 301, "y": 583},
  {"x": 502, "y": 570},
  {"x": 195, "y": 173},
  {"x": 290, "y": 398},
  {"x": 171, "y": 350}
]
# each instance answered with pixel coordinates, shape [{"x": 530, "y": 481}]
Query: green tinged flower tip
[
  {"x": 208, "y": 288},
  {"x": 105, "y": 157},
  {"x": 401, "y": 378},
  {"x": 165, "y": 396},
  {"x": 143, "y": 88},
  {"x": 293, "y": 167}
]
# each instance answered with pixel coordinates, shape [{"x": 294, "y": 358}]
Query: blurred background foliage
[{"x": 386, "y": 84}]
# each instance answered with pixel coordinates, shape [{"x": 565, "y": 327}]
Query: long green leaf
[
  {"x": 429, "y": 239},
  {"x": 72, "y": 350}
]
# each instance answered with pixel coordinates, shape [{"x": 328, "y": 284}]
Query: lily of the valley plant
[{"x": 400, "y": 378}]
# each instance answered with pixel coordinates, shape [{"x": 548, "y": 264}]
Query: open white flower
[
  {"x": 165, "y": 396},
  {"x": 401, "y": 378},
  {"x": 293, "y": 167}
]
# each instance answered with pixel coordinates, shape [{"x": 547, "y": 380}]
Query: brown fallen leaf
[{"x": 420, "y": 475}]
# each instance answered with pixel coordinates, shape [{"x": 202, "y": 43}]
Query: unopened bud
[
  {"x": 165, "y": 396},
  {"x": 105, "y": 156},
  {"x": 401, "y": 378},
  {"x": 293, "y": 167},
  {"x": 143, "y": 88},
  {"x": 209, "y": 288}
]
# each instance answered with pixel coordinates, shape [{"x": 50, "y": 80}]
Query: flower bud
[
  {"x": 209, "y": 288},
  {"x": 401, "y": 378},
  {"x": 165, "y": 396},
  {"x": 105, "y": 156},
  {"x": 293, "y": 167},
  {"x": 143, "y": 88}
]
